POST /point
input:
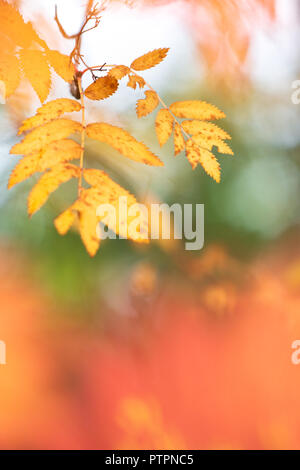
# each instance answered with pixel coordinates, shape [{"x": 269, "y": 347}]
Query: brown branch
[{"x": 92, "y": 14}]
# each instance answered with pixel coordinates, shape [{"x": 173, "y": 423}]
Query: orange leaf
[
  {"x": 10, "y": 73},
  {"x": 135, "y": 80},
  {"x": 150, "y": 59},
  {"x": 147, "y": 105},
  {"x": 14, "y": 26},
  {"x": 61, "y": 64},
  {"x": 119, "y": 71},
  {"x": 36, "y": 70},
  {"x": 102, "y": 88}
]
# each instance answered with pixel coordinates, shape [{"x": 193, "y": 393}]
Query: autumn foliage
[{"x": 48, "y": 146}]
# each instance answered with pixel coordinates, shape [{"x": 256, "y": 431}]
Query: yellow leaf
[
  {"x": 150, "y": 59},
  {"x": 135, "y": 80},
  {"x": 10, "y": 72},
  {"x": 119, "y": 71},
  {"x": 61, "y": 64},
  {"x": 88, "y": 221},
  {"x": 147, "y": 105},
  {"x": 64, "y": 221},
  {"x": 196, "y": 110},
  {"x": 202, "y": 127},
  {"x": 105, "y": 190},
  {"x": 24, "y": 169},
  {"x": 209, "y": 162},
  {"x": 123, "y": 142},
  {"x": 48, "y": 183},
  {"x": 102, "y": 88},
  {"x": 87, "y": 228},
  {"x": 57, "y": 152},
  {"x": 44, "y": 135},
  {"x": 208, "y": 141},
  {"x": 36, "y": 70},
  {"x": 163, "y": 126},
  {"x": 101, "y": 179},
  {"x": 49, "y": 111},
  {"x": 179, "y": 142}
]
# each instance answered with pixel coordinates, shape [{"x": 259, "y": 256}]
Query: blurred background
[{"x": 155, "y": 347}]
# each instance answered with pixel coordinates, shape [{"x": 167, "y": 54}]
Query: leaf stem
[
  {"x": 83, "y": 123},
  {"x": 162, "y": 103}
]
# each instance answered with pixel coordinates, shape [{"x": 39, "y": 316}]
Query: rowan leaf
[
  {"x": 49, "y": 111},
  {"x": 48, "y": 183},
  {"x": 149, "y": 60},
  {"x": 102, "y": 88},
  {"x": 87, "y": 229},
  {"x": 208, "y": 141},
  {"x": 202, "y": 127},
  {"x": 100, "y": 179},
  {"x": 64, "y": 221},
  {"x": 26, "y": 167},
  {"x": 179, "y": 142},
  {"x": 36, "y": 70},
  {"x": 57, "y": 152},
  {"x": 122, "y": 141},
  {"x": 61, "y": 64},
  {"x": 147, "y": 105},
  {"x": 87, "y": 218},
  {"x": 196, "y": 110},
  {"x": 119, "y": 72},
  {"x": 135, "y": 80},
  {"x": 196, "y": 155},
  {"x": 163, "y": 126},
  {"x": 44, "y": 135},
  {"x": 10, "y": 73},
  {"x": 14, "y": 26},
  {"x": 105, "y": 190}
]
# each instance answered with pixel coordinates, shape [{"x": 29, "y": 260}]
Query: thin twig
[{"x": 83, "y": 123}]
